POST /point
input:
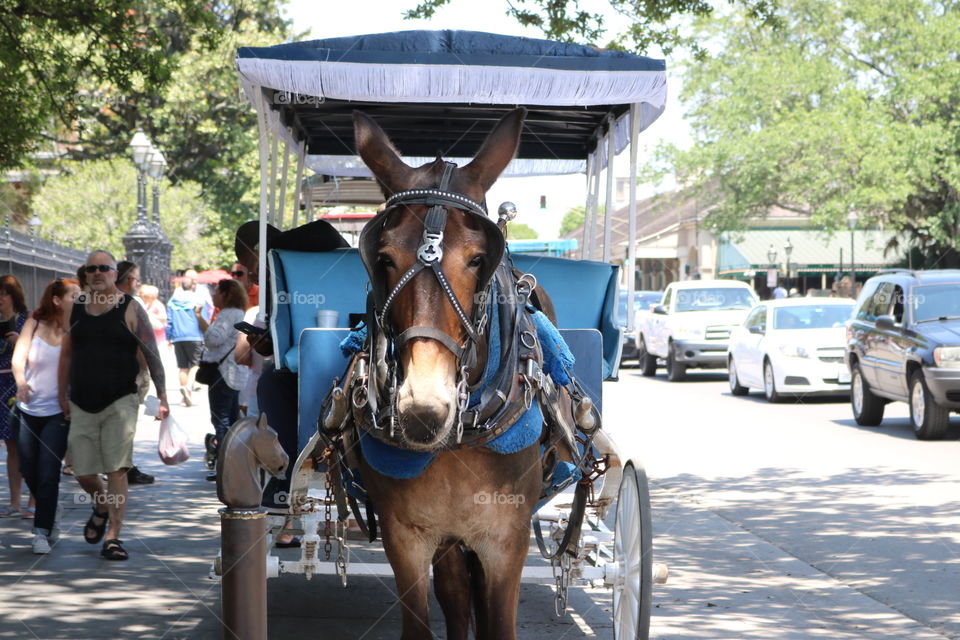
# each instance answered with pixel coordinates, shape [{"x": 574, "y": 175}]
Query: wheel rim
[
  {"x": 917, "y": 404},
  {"x": 768, "y": 380},
  {"x": 626, "y": 554},
  {"x": 856, "y": 395},
  {"x": 732, "y": 372}
]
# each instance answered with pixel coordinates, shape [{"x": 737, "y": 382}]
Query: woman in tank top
[{"x": 43, "y": 430}]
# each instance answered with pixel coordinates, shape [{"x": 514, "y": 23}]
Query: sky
[{"x": 562, "y": 192}]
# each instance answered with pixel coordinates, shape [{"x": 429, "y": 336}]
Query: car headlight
[
  {"x": 794, "y": 351},
  {"x": 689, "y": 332},
  {"x": 947, "y": 356}
]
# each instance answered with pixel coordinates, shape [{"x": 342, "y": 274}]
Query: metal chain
[
  {"x": 328, "y": 505},
  {"x": 343, "y": 553},
  {"x": 562, "y": 580}
]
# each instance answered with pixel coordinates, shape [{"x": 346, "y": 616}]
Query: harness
[{"x": 513, "y": 386}]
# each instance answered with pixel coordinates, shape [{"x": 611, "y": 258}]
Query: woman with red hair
[{"x": 43, "y": 429}]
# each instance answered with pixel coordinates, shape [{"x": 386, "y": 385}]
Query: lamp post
[
  {"x": 787, "y": 250},
  {"x": 772, "y": 260},
  {"x": 852, "y": 219},
  {"x": 34, "y": 224},
  {"x": 145, "y": 242}
]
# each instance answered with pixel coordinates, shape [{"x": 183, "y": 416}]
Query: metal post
[
  {"x": 243, "y": 588},
  {"x": 588, "y": 210},
  {"x": 608, "y": 212},
  {"x": 853, "y": 268},
  {"x": 632, "y": 216}
]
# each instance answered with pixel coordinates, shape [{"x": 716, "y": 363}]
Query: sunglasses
[
  {"x": 93, "y": 268},
  {"x": 238, "y": 274}
]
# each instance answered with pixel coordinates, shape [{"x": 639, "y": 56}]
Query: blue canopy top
[{"x": 440, "y": 91}]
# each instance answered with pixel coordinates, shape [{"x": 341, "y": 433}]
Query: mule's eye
[
  {"x": 385, "y": 261},
  {"x": 476, "y": 261}
]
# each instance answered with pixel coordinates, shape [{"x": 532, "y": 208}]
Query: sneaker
[
  {"x": 41, "y": 545},
  {"x": 28, "y": 513},
  {"x": 135, "y": 476}
]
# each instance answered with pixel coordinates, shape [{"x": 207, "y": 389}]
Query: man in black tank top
[{"x": 98, "y": 394}]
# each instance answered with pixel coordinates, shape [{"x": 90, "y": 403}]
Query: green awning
[{"x": 813, "y": 250}]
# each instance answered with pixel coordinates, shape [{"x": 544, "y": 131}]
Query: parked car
[
  {"x": 903, "y": 344},
  {"x": 691, "y": 326},
  {"x": 790, "y": 346},
  {"x": 642, "y": 300}
]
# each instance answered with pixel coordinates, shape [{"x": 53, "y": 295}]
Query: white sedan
[{"x": 791, "y": 346}]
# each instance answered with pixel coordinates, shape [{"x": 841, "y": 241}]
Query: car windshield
[
  {"x": 714, "y": 298},
  {"x": 935, "y": 301},
  {"x": 641, "y": 300},
  {"x": 812, "y": 316}
]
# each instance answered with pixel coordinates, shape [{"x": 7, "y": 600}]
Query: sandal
[
  {"x": 67, "y": 470},
  {"x": 97, "y": 529},
  {"x": 187, "y": 397},
  {"x": 112, "y": 550}
]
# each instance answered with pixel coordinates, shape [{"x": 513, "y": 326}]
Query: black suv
[{"x": 903, "y": 344}]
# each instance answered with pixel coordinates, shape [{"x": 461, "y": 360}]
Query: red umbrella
[{"x": 212, "y": 276}]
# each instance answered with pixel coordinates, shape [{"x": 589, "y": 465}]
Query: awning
[{"x": 813, "y": 250}]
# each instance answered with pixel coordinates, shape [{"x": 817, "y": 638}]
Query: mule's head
[
  {"x": 266, "y": 447},
  {"x": 428, "y": 369}
]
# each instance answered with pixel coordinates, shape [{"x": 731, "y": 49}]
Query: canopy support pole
[
  {"x": 273, "y": 179},
  {"x": 608, "y": 212},
  {"x": 282, "y": 204},
  {"x": 588, "y": 209},
  {"x": 263, "y": 142},
  {"x": 632, "y": 216},
  {"x": 301, "y": 154}
]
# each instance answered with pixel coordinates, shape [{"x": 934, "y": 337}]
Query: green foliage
[
  {"x": 654, "y": 23},
  {"x": 520, "y": 231},
  {"x": 572, "y": 219},
  {"x": 850, "y": 107},
  {"x": 93, "y": 204},
  {"x": 52, "y": 51}
]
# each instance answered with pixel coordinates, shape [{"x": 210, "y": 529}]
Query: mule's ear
[
  {"x": 497, "y": 150},
  {"x": 379, "y": 154},
  {"x": 262, "y": 421}
]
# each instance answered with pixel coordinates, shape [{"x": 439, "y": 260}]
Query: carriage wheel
[{"x": 633, "y": 557}]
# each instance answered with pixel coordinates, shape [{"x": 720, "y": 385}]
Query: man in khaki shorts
[{"x": 98, "y": 394}]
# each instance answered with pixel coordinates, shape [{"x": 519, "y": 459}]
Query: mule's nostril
[{"x": 423, "y": 426}]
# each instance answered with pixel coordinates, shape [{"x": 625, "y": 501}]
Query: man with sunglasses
[{"x": 98, "y": 394}]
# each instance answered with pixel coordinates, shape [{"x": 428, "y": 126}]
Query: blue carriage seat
[
  {"x": 303, "y": 283},
  {"x": 584, "y": 295}
]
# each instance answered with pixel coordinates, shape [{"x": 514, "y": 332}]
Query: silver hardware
[
  {"x": 506, "y": 212},
  {"x": 430, "y": 250}
]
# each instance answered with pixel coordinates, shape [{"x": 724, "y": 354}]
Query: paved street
[{"x": 777, "y": 522}]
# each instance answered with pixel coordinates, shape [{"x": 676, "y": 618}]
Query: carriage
[{"x": 436, "y": 92}]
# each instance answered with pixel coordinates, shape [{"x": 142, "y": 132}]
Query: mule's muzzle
[{"x": 425, "y": 427}]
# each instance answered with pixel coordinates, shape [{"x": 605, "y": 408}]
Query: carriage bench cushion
[
  {"x": 304, "y": 283},
  {"x": 584, "y": 294}
]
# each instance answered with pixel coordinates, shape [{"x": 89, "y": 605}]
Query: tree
[
  {"x": 653, "y": 22},
  {"x": 520, "y": 231},
  {"x": 93, "y": 204},
  {"x": 572, "y": 220},
  {"x": 50, "y": 52},
  {"x": 850, "y": 107}
]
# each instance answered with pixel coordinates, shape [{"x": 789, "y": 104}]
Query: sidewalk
[{"x": 171, "y": 533}]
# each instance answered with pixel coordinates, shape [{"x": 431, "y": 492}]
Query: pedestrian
[
  {"x": 242, "y": 275},
  {"x": 128, "y": 279},
  {"x": 42, "y": 441},
  {"x": 219, "y": 340},
  {"x": 97, "y": 380},
  {"x": 183, "y": 331},
  {"x": 157, "y": 312},
  {"x": 13, "y": 315}
]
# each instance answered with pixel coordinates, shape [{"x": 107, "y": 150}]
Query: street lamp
[
  {"x": 156, "y": 165},
  {"x": 787, "y": 250},
  {"x": 772, "y": 255},
  {"x": 145, "y": 242},
  {"x": 34, "y": 224},
  {"x": 140, "y": 148},
  {"x": 852, "y": 219}
]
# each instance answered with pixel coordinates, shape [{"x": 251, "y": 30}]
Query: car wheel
[
  {"x": 736, "y": 388},
  {"x": 648, "y": 361},
  {"x": 770, "y": 383},
  {"x": 929, "y": 420},
  {"x": 676, "y": 372},
  {"x": 867, "y": 408}
]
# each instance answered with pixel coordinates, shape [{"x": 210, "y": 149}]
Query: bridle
[{"x": 429, "y": 256}]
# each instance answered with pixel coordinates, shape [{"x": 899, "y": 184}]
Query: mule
[{"x": 468, "y": 514}]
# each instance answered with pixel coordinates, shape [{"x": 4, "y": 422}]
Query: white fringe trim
[
  {"x": 455, "y": 83},
  {"x": 352, "y": 166}
]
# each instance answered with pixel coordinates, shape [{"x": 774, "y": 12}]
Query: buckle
[{"x": 430, "y": 250}]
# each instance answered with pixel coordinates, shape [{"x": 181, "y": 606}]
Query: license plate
[{"x": 843, "y": 375}]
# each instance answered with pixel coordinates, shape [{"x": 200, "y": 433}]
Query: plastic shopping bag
[{"x": 172, "y": 444}]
